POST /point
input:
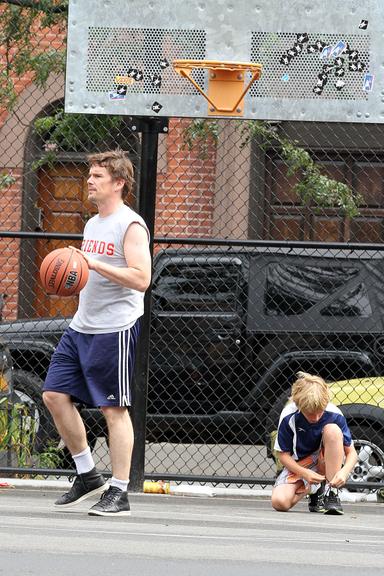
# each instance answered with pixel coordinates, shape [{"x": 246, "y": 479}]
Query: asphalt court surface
[{"x": 169, "y": 535}]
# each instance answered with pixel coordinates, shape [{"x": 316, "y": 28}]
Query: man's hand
[{"x": 90, "y": 261}]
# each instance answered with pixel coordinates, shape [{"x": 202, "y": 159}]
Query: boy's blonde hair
[{"x": 310, "y": 393}]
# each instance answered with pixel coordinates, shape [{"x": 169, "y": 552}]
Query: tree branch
[{"x": 35, "y": 4}]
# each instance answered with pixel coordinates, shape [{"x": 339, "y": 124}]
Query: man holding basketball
[{"x": 93, "y": 363}]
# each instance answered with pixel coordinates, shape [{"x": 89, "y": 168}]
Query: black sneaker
[
  {"x": 316, "y": 500},
  {"x": 114, "y": 502},
  {"x": 332, "y": 503},
  {"x": 85, "y": 485}
]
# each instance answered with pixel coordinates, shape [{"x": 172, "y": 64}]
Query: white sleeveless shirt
[{"x": 105, "y": 306}]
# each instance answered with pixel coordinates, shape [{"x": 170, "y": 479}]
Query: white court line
[
  {"x": 262, "y": 538},
  {"x": 268, "y": 520}
]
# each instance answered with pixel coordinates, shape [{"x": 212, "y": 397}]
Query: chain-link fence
[{"x": 267, "y": 260}]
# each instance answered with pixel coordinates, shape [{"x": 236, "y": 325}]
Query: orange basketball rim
[{"x": 226, "y": 83}]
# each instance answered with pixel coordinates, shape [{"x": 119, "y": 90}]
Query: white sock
[
  {"x": 84, "y": 461},
  {"x": 122, "y": 484}
]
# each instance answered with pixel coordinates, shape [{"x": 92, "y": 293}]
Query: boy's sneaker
[
  {"x": 114, "y": 502},
  {"x": 85, "y": 485},
  {"x": 332, "y": 504},
  {"x": 316, "y": 500}
]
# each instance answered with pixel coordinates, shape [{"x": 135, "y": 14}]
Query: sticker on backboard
[
  {"x": 155, "y": 80},
  {"x": 156, "y": 107},
  {"x": 298, "y": 48},
  {"x": 328, "y": 66},
  {"x": 326, "y": 52},
  {"x": 164, "y": 63},
  {"x": 368, "y": 82},
  {"x": 339, "y": 84},
  {"x": 363, "y": 25},
  {"x": 353, "y": 55},
  {"x": 340, "y": 47},
  {"x": 127, "y": 80},
  {"x": 117, "y": 96},
  {"x": 302, "y": 38},
  {"x": 285, "y": 59},
  {"x": 136, "y": 74},
  {"x": 322, "y": 79},
  {"x": 285, "y": 77},
  {"x": 122, "y": 90},
  {"x": 320, "y": 45}
]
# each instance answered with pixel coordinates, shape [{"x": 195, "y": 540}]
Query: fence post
[{"x": 150, "y": 129}]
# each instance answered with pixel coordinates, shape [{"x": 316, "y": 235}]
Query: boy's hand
[
  {"x": 339, "y": 479},
  {"x": 312, "y": 477}
]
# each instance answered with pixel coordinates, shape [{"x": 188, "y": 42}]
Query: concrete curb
[{"x": 183, "y": 490}]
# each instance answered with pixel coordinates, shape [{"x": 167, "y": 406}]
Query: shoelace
[
  {"x": 109, "y": 495},
  {"x": 332, "y": 494}
]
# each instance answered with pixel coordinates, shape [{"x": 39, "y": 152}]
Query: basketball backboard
[{"x": 320, "y": 60}]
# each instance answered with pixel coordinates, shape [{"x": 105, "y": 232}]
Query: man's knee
[
  {"x": 114, "y": 414},
  {"x": 54, "y": 400}
]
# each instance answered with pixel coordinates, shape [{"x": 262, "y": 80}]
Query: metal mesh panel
[
  {"x": 145, "y": 53},
  {"x": 299, "y": 75}
]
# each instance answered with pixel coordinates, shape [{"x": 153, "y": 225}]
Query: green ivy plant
[
  {"x": 314, "y": 188},
  {"x": 6, "y": 180},
  {"x": 72, "y": 133},
  {"x": 21, "y": 53},
  {"x": 201, "y": 134}
]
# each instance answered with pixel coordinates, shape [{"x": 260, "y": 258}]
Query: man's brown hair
[{"x": 118, "y": 166}]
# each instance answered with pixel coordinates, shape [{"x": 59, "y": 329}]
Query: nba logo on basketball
[{"x": 71, "y": 279}]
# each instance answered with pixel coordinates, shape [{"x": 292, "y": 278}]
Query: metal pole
[{"x": 150, "y": 128}]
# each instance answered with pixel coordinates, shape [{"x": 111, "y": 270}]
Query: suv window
[
  {"x": 355, "y": 302},
  {"x": 294, "y": 289},
  {"x": 315, "y": 293},
  {"x": 195, "y": 286}
]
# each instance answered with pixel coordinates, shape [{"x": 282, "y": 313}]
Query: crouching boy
[{"x": 314, "y": 445}]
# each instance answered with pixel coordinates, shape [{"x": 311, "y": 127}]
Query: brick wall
[
  {"x": 185, "y": 193},
  {"x": 10, "y": 211}
]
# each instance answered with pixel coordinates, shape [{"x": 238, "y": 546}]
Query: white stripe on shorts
[{"x": 124, "y": 388}]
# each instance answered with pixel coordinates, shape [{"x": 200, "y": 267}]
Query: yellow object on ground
[{"x": 156, "y": 487}]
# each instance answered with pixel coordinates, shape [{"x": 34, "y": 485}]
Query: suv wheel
[{"x": 369, "y": 446}]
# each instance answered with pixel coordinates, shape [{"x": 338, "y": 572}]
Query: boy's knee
[
  {"x": 280, "y": 504},
  {"x": 332, "y": 432}
]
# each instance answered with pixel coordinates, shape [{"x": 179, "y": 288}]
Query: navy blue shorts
[{"x": 94, "y": 369}]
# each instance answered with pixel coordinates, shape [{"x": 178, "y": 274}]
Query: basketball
[{"x": 64, "y": 272}]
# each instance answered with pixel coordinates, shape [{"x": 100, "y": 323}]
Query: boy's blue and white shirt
[{"x": 301, "y": 438}]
